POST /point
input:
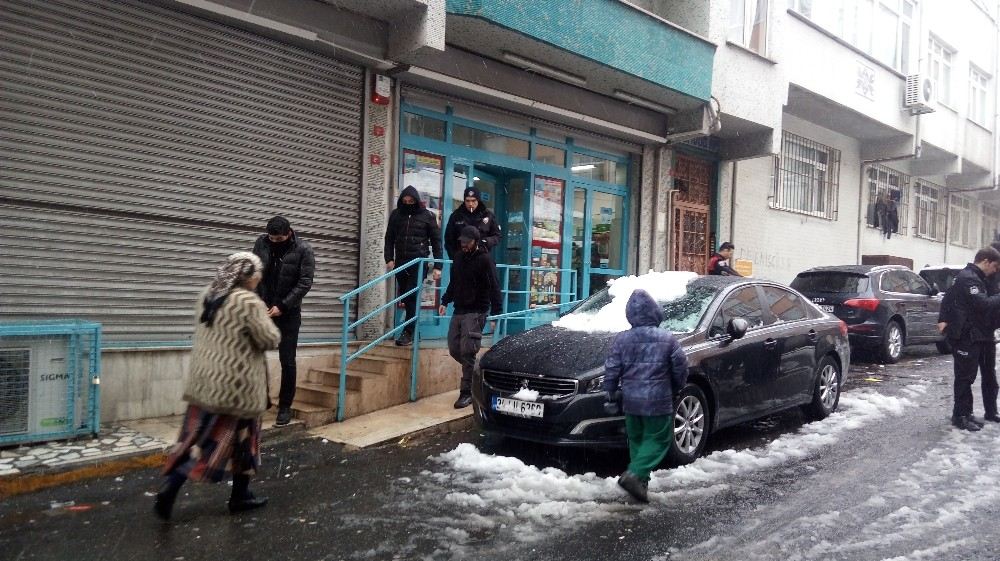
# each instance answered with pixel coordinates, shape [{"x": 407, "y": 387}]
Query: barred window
[
  {"x": 991, "y": 225},
  {"x": 930, "y": 216},
  {"x": 806, "y": 177},
  {"x": 960, "y": 226},
  {"x": 888, "y": 197}
]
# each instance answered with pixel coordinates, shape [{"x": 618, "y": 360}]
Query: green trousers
[{"x": 649, "y": 439}]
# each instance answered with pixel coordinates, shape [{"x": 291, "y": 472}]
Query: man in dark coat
[
  {"x": 475, "y": 291},
  {"x": 472, "y": 213},
  {"x": 650, "y": 368},
  {"x": 967, "y": 318},
  {"x": 719, "y": 263},
  {"x": 410, "y": 230},
  {"x": 289, "y": 265}
]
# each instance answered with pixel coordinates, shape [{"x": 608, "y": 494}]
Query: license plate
[
  {"x": 826, "y": 308},
  {"x": 517, "y": 407}
]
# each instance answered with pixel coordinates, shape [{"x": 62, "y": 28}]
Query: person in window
[
  {"x": 719, "y": 263},
  {"x": 473, "y": 213},
  {"x": 410, "y": 230}
]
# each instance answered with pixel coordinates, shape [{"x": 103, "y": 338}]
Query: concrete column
[
  {"x": 375, "y": 195},
  {"x": 664, "y": 182},
  {"x": 647, "y": 215}
]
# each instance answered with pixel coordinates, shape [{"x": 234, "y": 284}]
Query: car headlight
[{"x": 594, "y": 385}]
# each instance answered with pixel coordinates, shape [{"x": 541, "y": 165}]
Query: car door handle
[
  {"x": 813, "y": 337},
  {"x": 770, "y": 344}
]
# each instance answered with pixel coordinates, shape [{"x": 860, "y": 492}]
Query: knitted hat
[
  {"x": 473, "y": 192},
  {"x": 468, "y": 234}
]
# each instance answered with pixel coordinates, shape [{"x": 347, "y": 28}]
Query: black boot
[
  {"x": 464, "y": 400},
  {"x": 634, "y": 486},
  {"x": 242, "y": 499},
  {"x": 992, "y": 417},
  {"x": 284, "y": 416},
  {"x": 964, "y": 423},
  {"x": 163, "y": 505}
]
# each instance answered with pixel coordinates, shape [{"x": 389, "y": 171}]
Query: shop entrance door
[{"x": 691, "y": 247}]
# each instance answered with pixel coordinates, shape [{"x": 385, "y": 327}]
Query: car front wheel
[
  {"x": 691, "y": 424},
  {"x": 826, "y": 390}
]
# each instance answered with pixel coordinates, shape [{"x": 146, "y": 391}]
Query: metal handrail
[{"x": 421, "y": 263}]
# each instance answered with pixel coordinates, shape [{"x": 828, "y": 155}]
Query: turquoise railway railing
[{"x": 421, "y": 264}]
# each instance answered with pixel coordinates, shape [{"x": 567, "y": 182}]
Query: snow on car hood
[{"x": 663, "y": 287}]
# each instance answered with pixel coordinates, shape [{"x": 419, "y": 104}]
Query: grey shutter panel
[{"x": 139, "y": 146}]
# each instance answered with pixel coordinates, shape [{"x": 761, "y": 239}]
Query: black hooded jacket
[
  {"x": 287, "y": 280},
  {"x": 482, "y": 219},
  {"x": 410, "y": 229},
  {"x": 969, "y": 308},
  {"x": 473, "y": 287}
]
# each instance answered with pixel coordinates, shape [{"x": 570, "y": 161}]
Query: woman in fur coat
[{"x": 226, "y": 389}]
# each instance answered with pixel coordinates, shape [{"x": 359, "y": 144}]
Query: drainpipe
[{"x": 732, "y": 203}]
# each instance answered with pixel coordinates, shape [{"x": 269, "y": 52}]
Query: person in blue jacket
[{"x": 649, "y": 367}]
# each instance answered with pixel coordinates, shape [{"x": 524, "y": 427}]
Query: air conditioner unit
[{"x": 921, "y": 94}]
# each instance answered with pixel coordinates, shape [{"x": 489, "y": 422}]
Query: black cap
[
  {"x": 278, "y": 226},
  {"x": 468, "y": 234}
]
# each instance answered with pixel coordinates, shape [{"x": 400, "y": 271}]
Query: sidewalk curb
[{"x": 454, "y": 425}]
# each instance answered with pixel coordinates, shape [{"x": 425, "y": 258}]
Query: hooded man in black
[
  {"x": 475, "y": 291},
  {"x": 411, "y": 228},
  {"x": 288, "y": 275},
  {"x": 474, "y": 213}
]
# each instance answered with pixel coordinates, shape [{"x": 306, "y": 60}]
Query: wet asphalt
[{"x": 328, "y": 503}]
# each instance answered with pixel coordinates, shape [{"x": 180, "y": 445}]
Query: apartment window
[
  {"x": 806, "y": 177},
  {"x": 888, "y": 199},
  {"x": 881, "y": 28},
  {"x": 929, "y": 218},
  {"x": 978, "y": 86},
  {"x": 939, "y": 69},
  {"x": 748, "y": 24},
  {"x": 991, "y": 226},
  {"x": 961, "y": 221}
]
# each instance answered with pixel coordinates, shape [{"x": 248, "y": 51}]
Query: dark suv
[{"x": 885, "y": 307}]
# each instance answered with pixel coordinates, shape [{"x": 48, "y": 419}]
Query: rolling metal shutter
[{"x": 139, "y": 146}]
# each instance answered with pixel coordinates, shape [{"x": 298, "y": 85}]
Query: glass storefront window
[
  {"x": 550, "y": 155},
  {"x": 492, "y": 142},
  {"x": 579, "y": 223},
  {"x": 600, "y": 169},
  {"x": 607, "y": 218},
  {"x": 425, "y": 172},
  {"x": 546, "y": 240},
  {"x": 418, "y": 125}
]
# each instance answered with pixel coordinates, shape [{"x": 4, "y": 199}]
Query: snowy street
[{"x": 884, "y": 478}]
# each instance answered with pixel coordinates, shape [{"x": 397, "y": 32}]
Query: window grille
[
  {"x": 806, "y": 177},
  {"x": 887, "y": 188},
  {"x": 930, "y": 216}
]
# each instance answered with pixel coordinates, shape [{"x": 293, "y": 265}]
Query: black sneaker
[
  {"x": 634, "y": 486},
  {"x": 976, "y": 421},
  {"x": 249, "y": 503},
  {"x": 464, "y": 400},
  {"x": 964, "y": 423},
  {"x": 284, "y": 416},
  {"x": 405, "y": 340},
  {"x": 992, "y": 417}
]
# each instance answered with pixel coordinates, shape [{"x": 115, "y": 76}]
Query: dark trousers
[
  {"x": 465, "y": 337},
  {"x": 988, "y": 366},
  {"x": 288, "y": 323},
  {"x": 968, "y": 358},
  {"x": 406, "y": 281}
]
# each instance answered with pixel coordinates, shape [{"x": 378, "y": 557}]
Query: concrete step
[
  {"x": 370, "y": 362},
  {"x": 386, "y": 350},
  {"x": 356, "y": 380},
  {"x": 313, "y": 415}
]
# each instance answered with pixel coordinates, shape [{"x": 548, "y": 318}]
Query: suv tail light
[
  {"x": 870, "y": 304},
  {"x": 843, "y": 328}
]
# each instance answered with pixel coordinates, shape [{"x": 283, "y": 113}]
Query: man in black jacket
[
  {"x": 411, "y": 228},
  {"x": 475, "y": 291},
  {"x": 472, "y": 213},
  {"x": 967, "y": 319},
  {"x": 288, "y": 275}
]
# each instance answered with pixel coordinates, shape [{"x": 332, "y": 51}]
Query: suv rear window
[{"x": 840, "y": 283}]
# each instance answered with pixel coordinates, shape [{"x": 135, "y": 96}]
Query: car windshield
[
  {"x": 682, "y": 314},
  {"x": 833, "y": 282}
]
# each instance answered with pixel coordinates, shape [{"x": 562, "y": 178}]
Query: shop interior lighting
[
  {"x": 584, "y": 167},
  {"x": 544, "y": 69},
  {"x": 643, "y": 102}
]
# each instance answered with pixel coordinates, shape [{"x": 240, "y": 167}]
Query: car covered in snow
[{"x": 754, "y": 348}]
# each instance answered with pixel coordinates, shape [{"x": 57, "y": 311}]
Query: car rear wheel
[
  {"x": 691, "y": 424},
  {"x": 892, "y": 343},
  {"x": 826, "y": 390}
]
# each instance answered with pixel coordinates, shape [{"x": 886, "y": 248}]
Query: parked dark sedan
[
  {"x": 754, "y": 348},
  {"x": 885, "y": 307}
]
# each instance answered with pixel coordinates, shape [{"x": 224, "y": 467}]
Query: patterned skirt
[{"x": 211, "y": 446}]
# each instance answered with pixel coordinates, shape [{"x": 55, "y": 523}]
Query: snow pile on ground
[{"x": 663, "y": 287}]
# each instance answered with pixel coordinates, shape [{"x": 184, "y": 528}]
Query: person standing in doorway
[
  {"x": 475, "y": 291},
  {"x": 967, "y": 318},
  {"x": 410, "y": 230},
  {"x": 289, "y": 265},
  {"x": 649, "y": 367},
  {"x": 719, "y": 263},
  {"x": 473, "y": 213}
]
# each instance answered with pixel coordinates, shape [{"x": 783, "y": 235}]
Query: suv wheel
[
  {"x": 826, "y": 390},
  {"x": 691, "y": 424},
  {"x": 892, "y": 342}
]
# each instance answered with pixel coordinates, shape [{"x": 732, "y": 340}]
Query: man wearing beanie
[
  {"x": 475, "y": 291},
  {"x": 410, "y": 230},
  {"x": 473, "y": 213},
  {"x": 288, "y": 275}
]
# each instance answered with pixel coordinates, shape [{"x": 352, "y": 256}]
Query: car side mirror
[{"x": 737, "y": 328}]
